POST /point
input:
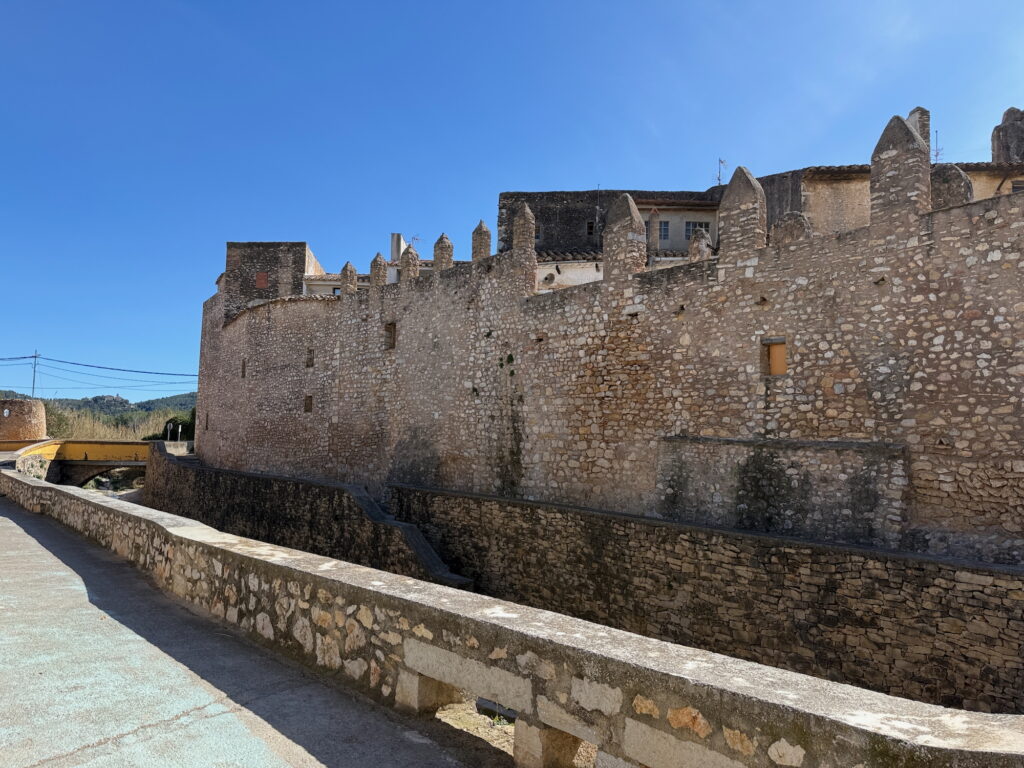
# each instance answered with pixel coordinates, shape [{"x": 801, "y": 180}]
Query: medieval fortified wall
[
  {"x": 797, "y": 442},
  {"x": 861, "y": 386}
]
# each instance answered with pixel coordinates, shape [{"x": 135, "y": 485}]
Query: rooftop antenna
[
  {"x": 721, "y": 167},
  {"x": 937, "y": 151}
]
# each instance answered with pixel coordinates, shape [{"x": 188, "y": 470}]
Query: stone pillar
[
  {"x": 900, "y": 179},
  {"x": 625, "y": 245},
  {"x": 481, "y": 241},
  {"x": 653, "y": 236},
  {"x": 524, "y": 254},
  {"x": 444, "y": 253},
  {"x": 538, "y": 746},
  {"x": 419, "y": 694},
  {"x": 378, "y": 272},
  {"x": 742, "y": 216},
  {"x": 409, "y": 266},
  {"x": 349, "y": 278},
  {"x": 950, "y": 186}
]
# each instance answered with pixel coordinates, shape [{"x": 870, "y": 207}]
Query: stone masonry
[
  {"x": 907, "y": 331},
  {"x": 415, "y": 645}
]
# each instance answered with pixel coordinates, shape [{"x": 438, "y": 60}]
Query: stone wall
[
  {"x": 327, "y": 519},
  {"x": 416, "y": 645},
  {"x": 907, "y": 331},
  {"x": 931, "y": 630},
  {"x": 842, "y": 492}
]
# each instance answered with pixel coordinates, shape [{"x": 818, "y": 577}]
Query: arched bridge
[{"x": 75, "y": 462}]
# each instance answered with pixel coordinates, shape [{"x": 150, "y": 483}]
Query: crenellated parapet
[
  {"x": 378, "y": 272},
  {"x": 349, "y": 278}
]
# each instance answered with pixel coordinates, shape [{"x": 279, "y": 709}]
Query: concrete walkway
[{"x": 98, "y": 668}]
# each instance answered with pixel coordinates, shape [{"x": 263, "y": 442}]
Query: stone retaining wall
[
  {"x": 324, "y": 518},
  {"x": 941, "y": 631},
  {"x": 414, "y": 644}
]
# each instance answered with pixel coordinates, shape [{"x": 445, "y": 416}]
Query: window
[
  {"x": 647, "y": 227},
  {"x": 693, "y": 226},
  {"x": 390, "y": 335},
  {"x": 536, "y": 233},
  {"x": 590, "y": 229},
  {"x": 1017, "y": 186},
  {"x": 336, "y": 291},
  {"x": 774, "y": 356},
  {"x": 663, "y": 230},
  {"x": 262, "y": 280},
  {"x": 243, "y": 367},
  {"x": 309, "y": 358},
  {"x": 307, "y": 404}
]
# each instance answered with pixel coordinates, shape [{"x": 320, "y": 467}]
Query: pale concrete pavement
[{"x": 99, "y": 669}]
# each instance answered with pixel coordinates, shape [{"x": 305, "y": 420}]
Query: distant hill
[{"x": 114, "y": 405}]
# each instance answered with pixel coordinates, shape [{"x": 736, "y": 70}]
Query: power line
[
  {"x": 105, "y": 375},
  {"x": 94, "y": 385},
  {"x": 109, "y": 368}
]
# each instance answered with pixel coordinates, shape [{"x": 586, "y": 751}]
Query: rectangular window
[
  {"x": 262, "y": 280},
  {"x": 243, "y": 368},
  {"x": 663, "y": 230},
  {"x": 774, "y": 356},
  {"x": 1017, "y": 186},
  {"x": 336, "y": 291},
  {"x": 309, "y": 358},
  {"x": 693, "y": 226},
  {"x": 536, "y": 234},
  {"x": 590, "y": 229},
  {"x": 307, "y": 404},
  {"x": 390, "y": 335},
  {"x": 647, "y": 227}
]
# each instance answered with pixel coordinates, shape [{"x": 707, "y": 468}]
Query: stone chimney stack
[
  {"x": 1008, "y": 138},
  {"x": 444, "y": 253},
  {"x": 349, "y": 278},
  {"x": 742, "y": 215},
  {"x": 900, "y": 178},
  {"x": 481, "y": 241},
  {"x": 378, "y": 272},
  {"x": 409, "y": 266},
  {"x": 625, "y": 245}
]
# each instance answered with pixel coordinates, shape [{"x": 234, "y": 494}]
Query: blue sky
[{"x": 137, "y": 137}]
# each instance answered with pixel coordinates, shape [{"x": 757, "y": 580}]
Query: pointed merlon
[
  {"x": 524, "y": 228},
  {"x": 349, "y": 278},
  {"x": 625, "y": 246},
  {"x": 898, "y": 136},
  {"x": 444, "y": 253},
  {"x": 481, "y": 241},
  {"x": 742, "y": 214},
  {"x": 409, "y": 266},
  {"x": 378, "y": 271}
]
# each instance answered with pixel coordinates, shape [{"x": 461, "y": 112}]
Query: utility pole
[
  {"x": 35, "y": 362},
  {"x": 721, "y": 165}
]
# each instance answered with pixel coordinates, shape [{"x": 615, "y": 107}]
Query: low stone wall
[
  {"x": 415, "y": 645},
  {"x": 945, "y": 632},
  {"x": 323, "y": 518},
  {"x": 843, "y": 492}
]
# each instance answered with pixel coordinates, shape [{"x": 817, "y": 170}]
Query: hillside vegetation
[{"x": 111, "y": 417}]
